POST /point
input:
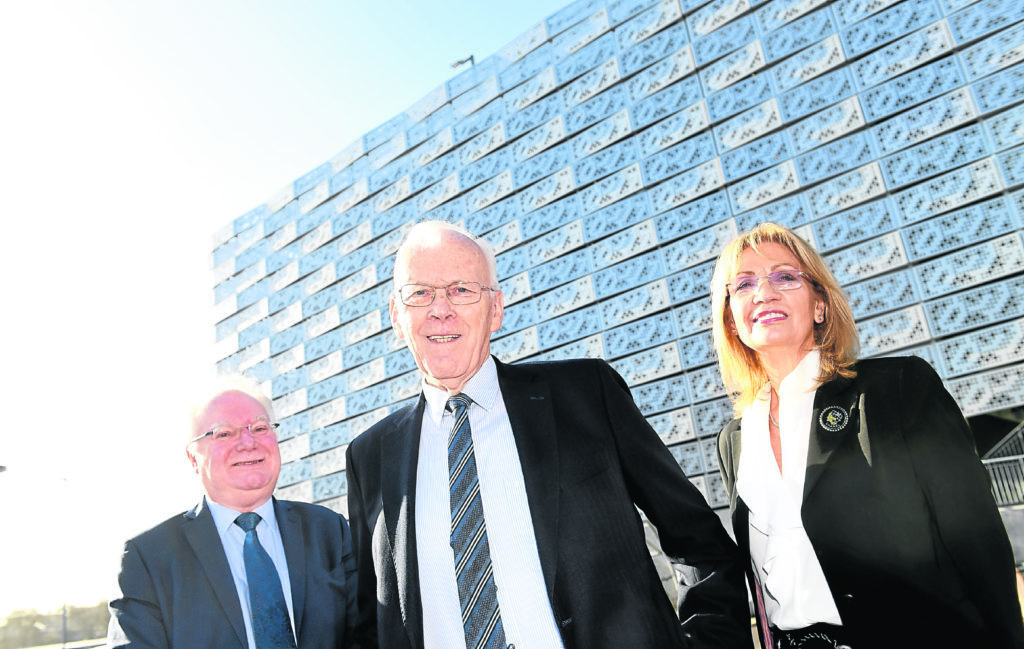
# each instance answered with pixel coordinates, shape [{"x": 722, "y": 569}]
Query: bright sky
[{"x": 131, "y": 132}]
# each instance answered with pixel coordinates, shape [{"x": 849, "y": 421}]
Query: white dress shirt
[
  {"x": 796, "y": 594},
  {"x": 232, "y": 537},
  {"x": 522, "y": 596}
]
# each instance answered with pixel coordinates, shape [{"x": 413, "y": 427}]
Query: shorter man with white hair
[{"x": 241, "y": 570}]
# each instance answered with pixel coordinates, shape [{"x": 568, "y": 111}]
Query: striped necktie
[
  {"x": 478, "y": 595},
  {"x": 271, "y": 627}
]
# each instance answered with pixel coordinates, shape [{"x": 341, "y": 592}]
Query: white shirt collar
[
  {"x": 803, "y": 378},
  {"x": 224, "y": 517},
  {"x": 482, "y": 388}
]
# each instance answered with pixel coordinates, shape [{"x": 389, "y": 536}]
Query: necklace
[{"x": 772, "y": 419}]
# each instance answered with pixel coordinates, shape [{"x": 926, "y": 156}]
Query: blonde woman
[{"x": 854, "y": 485}]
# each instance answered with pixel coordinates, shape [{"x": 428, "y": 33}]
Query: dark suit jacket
[
  {"x": 589, "y": 459},
  {"x": 899, "y": 511},
  {"x": 176, "y": 588}
]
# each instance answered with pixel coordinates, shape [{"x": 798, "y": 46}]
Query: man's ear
[
  {"x": 192, "y": 460},
  {"x": 395, "y": 325},
  {"x": 497, "y": 310}
]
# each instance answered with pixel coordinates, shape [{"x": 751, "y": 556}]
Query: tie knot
[
  {"x": 459, "y": 403},
  {"x": 248, "y": 521}
]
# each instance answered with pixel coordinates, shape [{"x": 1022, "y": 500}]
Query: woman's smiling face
[{"x": 774, "y": 323}]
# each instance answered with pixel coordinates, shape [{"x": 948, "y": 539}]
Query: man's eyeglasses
[
  {"x": 223, "y": 432},
  {"x": 780, "y": 280},
  {"x": 458, "y": 293}
]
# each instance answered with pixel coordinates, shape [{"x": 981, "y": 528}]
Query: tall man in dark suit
[
  {"x": 501, "y": 509},
  {"x": 242, "y": 569}
]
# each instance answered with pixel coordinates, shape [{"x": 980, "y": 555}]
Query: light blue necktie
[
  {"x": 478, "y": 595},
  {"x": 271, "y": 627}
]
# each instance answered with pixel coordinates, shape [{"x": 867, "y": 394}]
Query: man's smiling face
[
  {"x": 449, "y": 341},
  {"x": 239, "y": 473}
]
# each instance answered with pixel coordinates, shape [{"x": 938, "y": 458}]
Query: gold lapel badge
[{"x": 833, "y": 419}]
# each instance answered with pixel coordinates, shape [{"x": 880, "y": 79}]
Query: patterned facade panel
[
  {"x": 972, "y": 266},
  {"x": 674, "y": 426},
  {"x": 612, "y": 189},
  {"x": 573, "y": 326},
  {"x": 799, "y": 34},
  {"x": 649, "y": 365},
  {"x": 642, "y": 27},
  {"x": 774, "y": 15},
  {"x": 724, "y": 40},
  {"x": 637, "y": 56},
  {"x": 586, "y": 59},
  {"x": 977, "y": 307},
  {"x": 592, "y": 83},
  {"x": 635, "y": 336},
  {"x": 989, "y": 392},
  {"x": 705, "y": 383},
  {"x": 606, "y": 161},
  {"x": 808, "y": 63},
  {"x": 982, "y": 350},
  {"x": 689, "y": 121},
  {"x": 748, "y": 125},
  {"x": 687, "y": 186},
  {"x": 983, "y": 18},
  {"x": 714, "y": 15},
  {"x": 889, "y": 25},
  {"x": 687, "y": 154},
  {"x": 995, "y": 53},
  {"x": 887, "y": 333},
  {"x": 576, "y": 37},
  {"x": 960, "y": 228},
  {"x": 882, "y": 294}
]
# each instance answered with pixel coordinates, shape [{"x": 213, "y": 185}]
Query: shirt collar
[
  {"x": 482, "y": 388},
  {"x": 224, "y": 517},
  {"x": 803, "y": 377}
]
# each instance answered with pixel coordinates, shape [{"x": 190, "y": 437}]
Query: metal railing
[
  {"x": 1005, "y": 464},
  {"x": 1007, "y": 474}
]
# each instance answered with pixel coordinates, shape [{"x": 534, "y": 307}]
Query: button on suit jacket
[
  {"x": 177, "y": 592},
  {"x": 589, "y": 459}
]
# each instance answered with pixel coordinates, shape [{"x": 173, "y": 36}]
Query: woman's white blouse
[{"x": 795, "y": 592}]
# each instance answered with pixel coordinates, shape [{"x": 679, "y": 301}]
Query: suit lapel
[
  {"x": 836, "y": 416},
  {"x": 399, "y": 454},
  {"x": 294, "y": 541},
  {"x": 201, "y": 533},
  {"x": 531, "y": 415}
]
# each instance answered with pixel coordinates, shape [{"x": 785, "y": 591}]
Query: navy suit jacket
[
  {"x": 589, "y": 459},
  {"x": 899, "y": 510},
  {"x": 177, "y": 592}
]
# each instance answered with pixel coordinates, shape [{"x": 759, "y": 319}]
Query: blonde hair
[{"x": 836, "y": 338}]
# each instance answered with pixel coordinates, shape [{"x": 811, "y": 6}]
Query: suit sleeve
[
  {"x": 958, "y": 490},
  {"x": 712, "y": 602},
  {"x": 365, "y": 631},
  {"x": 351, "y": 577},
  {"x": 136, "y": 620}
]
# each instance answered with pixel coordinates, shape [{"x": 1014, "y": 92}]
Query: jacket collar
[
  {"x": 201, "y": 532},
  {"x": 399, "y": 455}
]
